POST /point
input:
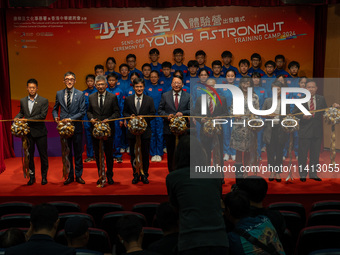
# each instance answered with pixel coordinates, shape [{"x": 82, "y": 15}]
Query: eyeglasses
[
  {"x": 177, "y": 83},
  {"x": 72, "y": 80},
  {"x": 100, "y": 84}
]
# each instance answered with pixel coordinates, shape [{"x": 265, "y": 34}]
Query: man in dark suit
[
  {"x": 72, "y": 107},
  {"x": 44, "y": 225},
  {"x": 214, "y": 110},
  {"x": 103, "y": 106},
  {"x": 310, "y": 133},
  {"x": 174, "y": 103},
  {"x": 134, "y": 105},
  {"x": 35, "y": 107}
]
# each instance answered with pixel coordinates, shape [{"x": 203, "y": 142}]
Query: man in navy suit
[
  {"x": 134, "y": 105},
  {"x": 72, "y": 107},
  {"x": 174, "y": 103},
  {"x": 35, "y": 107}
]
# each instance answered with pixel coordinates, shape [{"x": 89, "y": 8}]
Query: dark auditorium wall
[{"x": 332, "y": 67}]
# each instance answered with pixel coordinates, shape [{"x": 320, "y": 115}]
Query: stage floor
[{"x": 13, "y": 184}]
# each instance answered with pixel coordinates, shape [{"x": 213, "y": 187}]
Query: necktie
[
  {"x": 138, "y": 105},
  {"x": 211, "y": 106},
  {"x": 176, "y": 101},
  {"x": 101, "y": 101},
  {"x": 311, "y": 105},
  {"x": 68, "y": 99}
]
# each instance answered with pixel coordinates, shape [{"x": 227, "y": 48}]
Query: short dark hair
[
  {"x": 91, "y": 76},
  {"x": 238, "y": 204},
  {"x": 129, "y": 228},
  {"x": 145, "y": 65},
  {"x": 166, "y": 216},
  {"x": 245, "y": 79},
  {"x": 34, "y": 81},
  {"x": 199, "y": 53},
  {"x": 155, "y": 71},
  {"x": 134, "y": 74},
  {"x": 193, "y": 63},
  {"x": 178, "y": 50},
  {"x": 203, "y": 70},
  {"x": 131, "y": 56},
  {"x": 44, "y": 216},
  {"x": 111, "y": 58},
  {"x": 256, "y": 188},
  {"x": 280, "y": 57},
  {"x": 216, "y": 63},
  {"x": 12, "y": 237},
  {"x": 114, "y": 75},
  {"x": 294, "y": 63},
  {"x": 244, "y": 61},
  {"x": 166, "y": 64},
  {"x": 231, "y": 70},
  {"x": 277, "y": 84},
  {"x": 256, "y": 75},
  {"x": 226, "y": 53},
  {"x": 179, "y": 73},
  {"x": 270, "y": 62},
  {"x": 311, "y": 80},
  {"x": 154, "y": 51},
  {"x": 137, "y": 81},
  {"x": 255, "y": 55},
  {"x": 98, "y": 67},
  {"x": 123, "y": 65},
  {"x": 303, "y": 77},
  {"x": 70, "y": 73},
  {"x": 284, "y": 79}
]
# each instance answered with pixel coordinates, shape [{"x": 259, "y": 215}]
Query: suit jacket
[
  {"x": 109, "y": 111},
  {"x": 147, "y": 108},
  {"x": 267, "y": 132},
  {"x": 76, "y": 111},
  {"x": 312, "y": 128},
  {"x": 39, "y": 112},
  {"x": 167, "y": 106},
  {"x": 40, "y": 245}
]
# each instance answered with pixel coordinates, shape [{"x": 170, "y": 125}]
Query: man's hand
[
  {"x": 105, "y": 121},
  {"x": 204, "y": 120},
  {"x": 121, "y": 123},
  {"x": 336, "y": 105},
  {"x": 307, "y": 117},
  {"x": 93, "y": 121},
  {"x": 125, "y": 123},
  {"x": 132, "y": 116},
  {"x": 179, "y": 114},
  {"x": 171, "y": 116},
  {"x": 56, "y": 119}
]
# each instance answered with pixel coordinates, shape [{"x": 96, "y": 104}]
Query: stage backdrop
[{"x": 45, "y": 43}]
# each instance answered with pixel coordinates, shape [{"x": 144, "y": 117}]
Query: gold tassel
[
  {"x": 65, "y": 151},
  {"x": 138, "y": 155},
  {"x": 101, "y": 168},
  {"x": 25, "y": 158},
  {"x": 290, "y": 175},
  {"x": 333, "y": 147}
]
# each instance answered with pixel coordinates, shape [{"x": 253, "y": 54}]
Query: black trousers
[
  {"x": 41, "y": 143},
  {"x": 313, "y": 145},
  {"x": 275, "y": 148},
  {"x": 75, "y": 142},
  {"x": 145, "y": 147},
  {"x": 108, "y": 150}
]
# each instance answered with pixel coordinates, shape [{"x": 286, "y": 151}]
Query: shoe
[
  {"x": 128, "y": 150},
  {"x": 303, "y": 179},
  {"x": 135, "y": 179},
  {"x": 153, "y": 159},
  {"x": 159, "y": 159},
  {"x": 110, "y": 181},
  {"x": 263, "y": 149},
  {"x": 119, "y": 160},
  {"x": 122, "y": 150},
  {"x": 270, "y": 179},
  {"x": 317, "y": 179},
  {"x": 145, "y": 179},
  {"x": 283, "y": 158},
  {"x": 297, "y": 157},
  {"x": 88, "y": 160},
  {"x": 43, "y": 181},
  {"x": 165, "y": 150},
  {"x": 278, "y": 179},
  {"x": 80, "y": 180},
  {"x": 68, "y": 181},
  {"x": 31, "y": 181},
  {"x": 233, "y": 157},
  {"x": 223, "y": 181},
  {"x": 226, "y": 157},
  {"x": 114, "y": 159}
]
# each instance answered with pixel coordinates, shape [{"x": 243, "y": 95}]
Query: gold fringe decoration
[
  {"x": 21, "y": 129},
  {"x": 332, "y": 117},
  {"x": 178, "y": 126},
  {"x": 66, "y": 130}
]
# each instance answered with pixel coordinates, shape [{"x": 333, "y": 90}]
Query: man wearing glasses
[
  {"x": 72, "y": 107},
  {"x": 174, "y": 103}
]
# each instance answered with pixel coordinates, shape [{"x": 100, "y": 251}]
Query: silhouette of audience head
[
  {"x": 167, "y": 218},
  {"x": 76, "y": 232},
  {"x": 130, "y": 231},
  {"x": 237, "y": 205},
  {"x": 255, "y": 187},
  {"x": 44, "y": 219},
  {"x": 12, "y": 237}
]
